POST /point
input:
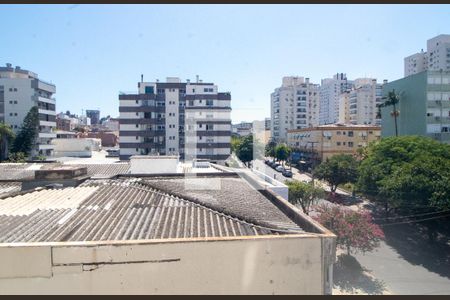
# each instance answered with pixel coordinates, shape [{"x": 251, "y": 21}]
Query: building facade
[
  {"x": 294, "y": 105},
  {"x": 328, "y": 140},
  {"x": 330, "y": 91},
  {"x": 424, "y": 106},
  {"x": 436, "y": 58},
  {"x": 358, "y": 106},
  {"x": 94, "y": 115},
  {"x": 174, "y": 117},
  {"x": 20, "y": 90}
]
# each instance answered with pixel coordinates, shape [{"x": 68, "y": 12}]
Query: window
[
  {"x": 338, "y": 133},
  {"x": 15, "y": 101},
  {"x": 137, "y": 114},
  {"x": 137, "y": 125},
  {"x": 137, "y": 101},
  {"x": 338, "y": 143},
  {"x": 149, "y": 90},
  {"x": 137, "y": 137},
  {"x": 10, "y": 89},
  {"x": 15, "y": 89},
  {"x": 10, "y": 102},
  {"x": 209, "y": 102},
  {"x": 350, "y": 133},
  {"x": 350, "y": 144}
]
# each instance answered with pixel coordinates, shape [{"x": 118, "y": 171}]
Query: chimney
[
  {"x": 197, "y": 77},
  {"x": 157, "y": 80},
  {"x": 188, "y": 81},
  {"x": 306, "y": 80},
  {"x": 8, "y": 65},
  {"x": 142, "y": 77},
  {"x": 17, "y": 67},
  {"x": 385, "y": 81}
]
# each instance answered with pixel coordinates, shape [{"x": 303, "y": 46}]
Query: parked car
[
  {"x": 287, "y": 173},
  {"x": 280, "y": 169},
  {"x": 275, "y": 165}
]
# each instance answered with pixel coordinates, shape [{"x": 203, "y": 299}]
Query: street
[{"x": 404, "y": 264}]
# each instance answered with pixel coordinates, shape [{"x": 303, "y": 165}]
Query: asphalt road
[{"x": 400, "y": 276}]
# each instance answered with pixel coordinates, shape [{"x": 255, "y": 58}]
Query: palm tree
[
  {"x": 391, "y": 100},
  {"x": 6, "y": 136}
]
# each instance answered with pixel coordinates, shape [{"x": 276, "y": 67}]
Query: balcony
[
  {"x": 49, "y": 135},
  {"x": 47, "y": 112},
  {"x": 46, "y": 100}
]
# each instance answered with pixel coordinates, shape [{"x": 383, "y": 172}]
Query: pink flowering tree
[{"x": 355, "y": 231}]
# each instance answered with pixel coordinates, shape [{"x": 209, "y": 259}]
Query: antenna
[{"x": 142, "y": 77}]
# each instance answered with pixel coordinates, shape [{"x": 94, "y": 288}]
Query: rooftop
[{"x": 133, "y": 209}]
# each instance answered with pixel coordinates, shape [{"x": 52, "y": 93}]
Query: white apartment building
[
  {"x": 330, "y": 90},
  {"x": 174, "y": 117},
  {"x": 358, "y": 106},
  {"x": 20, "y": 90},
  {"x": 294, "y": 105},
  {"x": 436, "y": 58}
]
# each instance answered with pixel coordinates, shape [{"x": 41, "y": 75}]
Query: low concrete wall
[{"x": 250, "y": 265}]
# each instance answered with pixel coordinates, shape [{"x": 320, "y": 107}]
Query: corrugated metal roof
[{"x": 121, "y": 209}]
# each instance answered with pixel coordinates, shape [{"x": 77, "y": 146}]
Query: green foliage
[
  {"x": 244, "y": 149},
  {"x": 17, "y": 157},
  {"x": 40, "y": 157},
  {"x": 304, "y": 194},
  {"x": 270, "y": 149},
  {"x": 235, "y": 141},
  {"x": 28, "y": 133},
  {"x": 338, "y": 169},
  {"x": 6, "y": 138},
  {"x": 354, "y": 230},
  {"x": 282, "y": 152},
  {"x": 407, "y": 173}
]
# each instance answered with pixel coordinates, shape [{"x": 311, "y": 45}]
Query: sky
[{"x": 91, "y": 52}]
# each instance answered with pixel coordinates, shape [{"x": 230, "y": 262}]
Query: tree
[
  {"x": 391, "y": 100},
  {"x": 355, "y": 231},
  {"x": 28, "y": 133},
  {"x": 407, "y": 173},
  {"x": 270, "y": 148},
  {"x": 282, "y": 152},
  {"x": 6, "y": 137},
  {"x": 235, "y": 141},
  {"x": 338, "y": 169},
  {"x": 244, "y": 150},
  {"x": 304, "y": 194}
]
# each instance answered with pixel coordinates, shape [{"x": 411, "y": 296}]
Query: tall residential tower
[
  {"x": 190, "y": 119},
  {"x": 20, "y": 90}
]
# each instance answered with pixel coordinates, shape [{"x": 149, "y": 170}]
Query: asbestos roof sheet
[
  {"x": 25, "y": 171},
  {"x": 231, "y": 195},
  {"x": 115, "y": 209},
  {"x": 7, "y": 188}
]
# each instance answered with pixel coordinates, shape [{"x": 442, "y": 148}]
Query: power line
[
  {"x": 415, "y": 215},
  {"x": 414, "y": 221}
]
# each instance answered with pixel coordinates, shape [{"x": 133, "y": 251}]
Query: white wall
[{"x": 249, "y": 265}]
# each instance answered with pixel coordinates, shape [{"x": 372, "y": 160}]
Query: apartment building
[
  {"x": 191, "y": 119},
  {"x": 20, "y": 90},
  {"x": 294, "y": 105},
  {"x": 328, "y": 140},
  {"x": 330, "y": 91},
  {"x": 424, "y": 106},
  {"x": 436, "y": 58},
  {"x": 359, "y": 105},
  {"x": 94, "y": 115}
]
